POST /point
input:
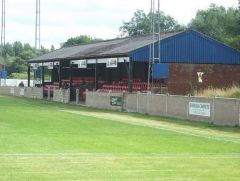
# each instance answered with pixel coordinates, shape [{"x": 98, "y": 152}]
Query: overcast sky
[{"x": 62, "y": 19}]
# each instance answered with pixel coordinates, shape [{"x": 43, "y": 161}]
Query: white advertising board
[
  {"x": 50, "y": 65},
  {"x": 56, "y": 63},
  {"x": 200, "y": 109},
  {"x": 112, "y": 63},
  {"x": 35, "y": 66},
  {"x": 82, "y": 64}
]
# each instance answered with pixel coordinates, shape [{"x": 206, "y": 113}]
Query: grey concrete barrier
[
  {"x": 157, "y": 104},
  {"x": 130, "y": 102},
  {"x": 29, "y": 92},
  {"x": 226, "y": 112},
  {"x": 61, "y": 95},
  {"x": 77, "y": 96},
  {"x": 103, "y": 100},
  {"x": 218, "y": 111}
]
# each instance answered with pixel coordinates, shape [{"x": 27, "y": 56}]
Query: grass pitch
[{"x": 42, "y": 140}]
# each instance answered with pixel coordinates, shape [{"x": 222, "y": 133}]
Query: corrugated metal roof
[
  {"x": 109, "y": 48},
  {"x": 190, "y": 47}
]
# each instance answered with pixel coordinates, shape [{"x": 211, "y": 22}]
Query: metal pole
[
  {"x": 96, "y": 75},
  {"x": 43, "y": 76},
  {"x": 39, "y": 29},
  {"x": 37, "y": 25},
  {"x": 159, "y": 33},
  {"x": 28, "y": 75},
  {"x": 3, "y": 28},
  {"x": 150, "y": 49},
  {"x": 70, "y": 77},
  {"x": 60, "y": 74},
  {"x": 130, "y": 75}
]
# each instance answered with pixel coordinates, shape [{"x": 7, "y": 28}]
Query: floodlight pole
[
  {"x": 3, "y": 28},
  {"x": 152, "y": 58},
  {"x": 38, "y": 26}
]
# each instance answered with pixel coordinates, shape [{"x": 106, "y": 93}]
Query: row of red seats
[
  {"x": 137, "y": 85},
  {"x": 79, "y": 80},
  {"x": 122, "y": 88},
  {"x": 52, "y": 87},
  {"x": 134, "y": 80}
]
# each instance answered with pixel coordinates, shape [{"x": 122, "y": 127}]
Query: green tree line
[{"x": 15, "y": 56}]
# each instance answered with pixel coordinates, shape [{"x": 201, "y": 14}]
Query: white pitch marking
[{"x": 125, "y": 155}]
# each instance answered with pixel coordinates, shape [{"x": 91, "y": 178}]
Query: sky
[{"x": 62, "y": 19}]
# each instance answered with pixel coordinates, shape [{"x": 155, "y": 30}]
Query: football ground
[{"x": 41, "y": 140}]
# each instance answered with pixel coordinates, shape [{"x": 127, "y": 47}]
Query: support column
[
  {"x": 43, "y": 75},
  {"x": 28, "y": 75},
  {"x": 130, "y": 75},
  {"x": 70, "y": 75},
  {"x": 96, "y": 75},
  {"x": 52, "y": 75},
  {"x": 70, "y": 80},
  {"x": 60, "y": 74}
]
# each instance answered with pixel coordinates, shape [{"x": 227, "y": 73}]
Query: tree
[
  {"x": 27, "y": 47},
  {"x": 140, "y": 24},
  {"x": 15, "y": 56},
  {"x": 82, "y": 39},
  {"x": 8, "y": 49},
  {"x": 16, "y": 66},
  {"x": 219, "y": 23},
  {"x": 17, "y": 48}
]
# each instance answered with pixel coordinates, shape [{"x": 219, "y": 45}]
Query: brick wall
[{"x": 184, "y": 77}]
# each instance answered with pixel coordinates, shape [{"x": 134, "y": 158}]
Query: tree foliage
[
  {"x": 82, "y": 39},
  {"x": 15, "y": 56},
  {"x": 140, "y": 24},
  {"x": 220, "y": 23}
]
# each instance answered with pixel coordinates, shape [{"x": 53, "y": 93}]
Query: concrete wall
[
  {"x": 61, "y": 95},
  {"x": 227, "y": 112},
  {"x": 102, "y": 100},
  {"x": 221, "y": 111},
  {"x": 29, "y": 92},
  {"x": 177, "y": 106}
]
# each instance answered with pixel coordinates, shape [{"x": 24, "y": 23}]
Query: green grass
[
  {"x": 41, "y": 140},
  {"x": 232, "y": 92}
]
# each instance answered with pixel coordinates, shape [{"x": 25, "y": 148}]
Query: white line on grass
[
  {"x": 159, "y": 125},
  {"x": 126, "y": 155}
]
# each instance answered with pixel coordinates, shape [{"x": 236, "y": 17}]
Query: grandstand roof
[
  {"x": 108, "y": 48},
  {"x": 187, "y": 46}
]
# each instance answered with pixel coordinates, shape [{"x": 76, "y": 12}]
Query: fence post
[
  {"x": 48, "y": 93},
  {"x": 147, "y": 102},
  {"x": 213, "y": 109},
  {"x": 167, "y": 104},
  {"x": 77, "y": 96},
  {"x": 137, "y": 100},
  {"x": 189, "y": 99},
  {"x": 239, "y": 112}
]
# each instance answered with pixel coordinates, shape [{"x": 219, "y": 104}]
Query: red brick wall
[{"x": 184, "y": 76}]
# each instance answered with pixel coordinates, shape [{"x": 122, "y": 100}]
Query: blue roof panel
[{"x": 190, "y": 47}]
